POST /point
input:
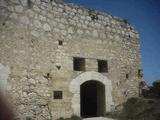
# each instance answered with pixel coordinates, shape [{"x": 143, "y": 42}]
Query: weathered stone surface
[
  {"x": 19, "y": 9},
  {"x": 37, "y": 46},
  {"x": 24, "y": 2},
  {"x": 59, "y": 1},
  {"x": 15, "y": 1},
  {"x": 32, "y": 81},
  {"x": 37, "y": 23},
  {"x": 14, "y": 15},
  {"x": 4, "y": 74},
  {"x": 35, "y": 33},
  {"x": 25, "y": 20},
  {"x": 46, "y": 27},
  {"x": 95, "y": 33}
]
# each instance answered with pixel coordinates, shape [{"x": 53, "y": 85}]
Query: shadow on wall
[{"x": 6, "y": 112}]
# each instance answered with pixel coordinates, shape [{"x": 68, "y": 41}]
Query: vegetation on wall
[{"x": 152, "y": 91}]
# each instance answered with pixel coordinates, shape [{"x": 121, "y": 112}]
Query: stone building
[{"x": 59, "y": 59}]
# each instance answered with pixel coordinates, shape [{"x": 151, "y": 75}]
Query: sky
[{"x": 145, "y": 16}]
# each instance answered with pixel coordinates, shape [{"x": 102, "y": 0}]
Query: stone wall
[{"x": 30, "y": 32}]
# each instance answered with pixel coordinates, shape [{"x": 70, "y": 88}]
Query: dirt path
[{"x": 98, "y": 118}]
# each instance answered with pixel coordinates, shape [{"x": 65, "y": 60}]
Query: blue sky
[{"x": 145, "y": 16}]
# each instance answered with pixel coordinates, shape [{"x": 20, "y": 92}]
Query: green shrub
[
  {"x": 61, "y": 118},
  {"x": 134, "y": 108},
  {"x": 113, "y": 114},
  {"x": 74, "y": 117},
  {"x": 138, "y": 109}
]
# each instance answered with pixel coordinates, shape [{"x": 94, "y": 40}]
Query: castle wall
[{"x": 30, "y": 31}]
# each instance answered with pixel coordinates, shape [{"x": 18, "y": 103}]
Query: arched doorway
[
  {"x": 75, "y": 88},
  {"x": 92, "y": 99}
]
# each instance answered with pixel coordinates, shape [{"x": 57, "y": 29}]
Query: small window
[
  {"x": 3, "y": 23},
  {"x": 58, "y": 67},
  {"x": 30, "y": 4},
  {"x": 28, "y": 118},
  {"x": 60, "y": 42},
  {"x": 102, "y": 66},
  {"x": 140, "y": 73},
  {"x": 127, "y": 76},
  {"x": 58, "y": 94},
  {"x": 79, "y": 64}
]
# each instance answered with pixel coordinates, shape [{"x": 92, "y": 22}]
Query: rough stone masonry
[{"x": 55, "y": 57}]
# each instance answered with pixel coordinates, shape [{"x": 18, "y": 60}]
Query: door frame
[{"x": 75, "y": 84}]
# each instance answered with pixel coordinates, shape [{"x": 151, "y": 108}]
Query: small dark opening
[
  {"x": 125, "y": 21},
  {"x": 79, "y": 64},
  {"x": 21, "y": 37},
  {"x": 58, "y": 94},
  {"x": 102, "y": 66},
  {"x": 60, "y": 42},
  {"x": 58, "y": 67},
  {"x": 125, "y": 93},
  {"x": 93, "y": 17},
  {"x": 28, "y": 118},
  {"x": 47, "y": 76},
  {"x": 140, "y": 73},
  {"x": 30, "y": 4},
  {"x": 129, "y": 36},
  {"x": 92, "y": 102},
  {"x": 93, "y": 14},
  {"x": 3, "y": 23},
  {"x": 127, "y": 76}
]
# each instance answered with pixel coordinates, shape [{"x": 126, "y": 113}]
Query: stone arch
[{"x": 87, "y": 76}]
